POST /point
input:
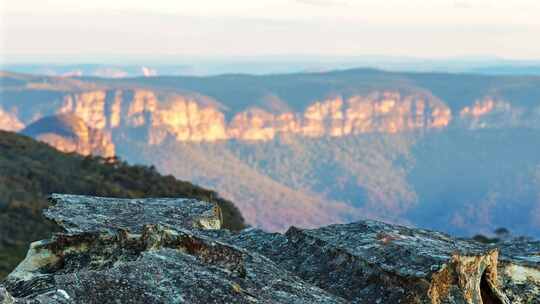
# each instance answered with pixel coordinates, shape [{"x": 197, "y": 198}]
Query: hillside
[
  {"x": 452, "y": 152},
  {"x": 30, "y": 171}
]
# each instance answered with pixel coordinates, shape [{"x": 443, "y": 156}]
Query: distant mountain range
[
  {"x": 453, "y": 152},
  {"x": 280, "y": 65}
]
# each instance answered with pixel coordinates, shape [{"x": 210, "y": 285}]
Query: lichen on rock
[
  {"x": 5, "y": 297},
  {"x": 370, "y": 261},
  {"x": 75, "y": 213},
  {"x": 172, "y": 251}
]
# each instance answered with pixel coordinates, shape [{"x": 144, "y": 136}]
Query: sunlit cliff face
[
  {"x": 10, "y": 122},
  {"x": 186, "y": 119},
  {"x": 96, "y": 144},
  {"x": 491, "y": 112},
  {"x": 69, "y": 133}
]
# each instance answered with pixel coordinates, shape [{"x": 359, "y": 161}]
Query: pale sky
[{"x": 93, "y": 30}]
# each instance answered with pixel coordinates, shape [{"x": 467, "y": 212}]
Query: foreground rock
[
  {"x": 173, "y": 251},
  {"x": 77, "y": 213},
  {"x": 373, "y": 262},
  {"x": 111, "y": 253}
]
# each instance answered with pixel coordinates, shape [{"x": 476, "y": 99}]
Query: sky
[{"x": 154, "y": 30}]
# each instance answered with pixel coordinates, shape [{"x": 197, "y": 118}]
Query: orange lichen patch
[
  {"x": 474, "y": 276},
  {"x": 441, "y": 283},
  {"x": 386, "y": 238}
]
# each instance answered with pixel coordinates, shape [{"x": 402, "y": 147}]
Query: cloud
[
  {"x": 463, "y": 4},
  {"x": 472, "y": 4},
  {"x": 325, "y": 3}
]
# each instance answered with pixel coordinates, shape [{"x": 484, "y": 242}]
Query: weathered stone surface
[
  {"x": 160, "y": 265},
  {"x": 5, "y": 297},
  {"x": 153, "y": 251},
  {"x": 76, "y": 213},
  {"x": 519, "y": 269},
  {"x": 373, "y": 262}
]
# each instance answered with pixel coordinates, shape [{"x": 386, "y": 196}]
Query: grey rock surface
[
  {"x": 519, "y": 268},
  {"x": 5, "y": 297},
  {"x": 157, "y": 251},
  {"x": 373, "y": 262},
  {"x": 76, "y": 213}
]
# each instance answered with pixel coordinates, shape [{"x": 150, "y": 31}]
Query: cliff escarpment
[
  {"x": 190, "y": 119},
  {"x": 264, "y": 108},
  {"x": 69, "y": 133},
  {"x": 311, "y": 149}
]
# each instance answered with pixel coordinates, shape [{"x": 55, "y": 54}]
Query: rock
[
  {"x": 171, "y": 251},
  {"x": 520, "y": 271},
  {"x": 373, "y": 262},
  {"x": 110, "y": 253},
  {"x": 5, "y": 297},
  {"x": 75, "y": 213},
  {"x": 160, "y": 265}
]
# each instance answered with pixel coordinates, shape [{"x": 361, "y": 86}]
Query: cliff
[
  {"x": 310, "y": 149},
  {"x": 173, "y": 251},
  {"x": 190, "y": 118},
  {"x": 261, "y": 108},
  {"x": 9, "y": 121},
  {"x": 69, "y": 133}
]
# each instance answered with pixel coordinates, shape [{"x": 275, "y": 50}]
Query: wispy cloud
[
  {"x": 325, "y": 2},
  {"x": 462, "y": 4},
  {"x": 472, "y": 4}
]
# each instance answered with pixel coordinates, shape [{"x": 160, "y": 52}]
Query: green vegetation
[
  {"x": 457, "y": 181},
  {"x": 500, "y": 235},
  {"x": 30, "y": 171}
]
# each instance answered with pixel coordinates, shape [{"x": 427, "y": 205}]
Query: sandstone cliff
[
  {"x": 69, "y": 133},
  {"x": 310, "y": 149},
  {"x": 9, "y": 121},
  {"x": 173, "y": 251},
  {"x": 190, "y": 118}
]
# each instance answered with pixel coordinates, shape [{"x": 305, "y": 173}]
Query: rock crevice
[{"x": 173, "y": 251}]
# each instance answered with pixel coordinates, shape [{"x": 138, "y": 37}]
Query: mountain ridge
[{"x": 325, "y": 147}]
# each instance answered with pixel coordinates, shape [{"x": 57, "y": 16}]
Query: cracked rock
[{"x": 173, "y": 251}]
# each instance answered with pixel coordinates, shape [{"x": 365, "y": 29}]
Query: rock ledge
[{"x": 174, "y": 251}]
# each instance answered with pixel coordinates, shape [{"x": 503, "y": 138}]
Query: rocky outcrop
[
  {"x": 117, "y": 256},
  {"x": 193, "y": 117},
  {"x": 498, "y": 113},
  {"x": 69, "y": 133},
  {"x": 157, "y": 251},
  {"x": 373, "y": 262},
  {"x": 9, "y": 121}
]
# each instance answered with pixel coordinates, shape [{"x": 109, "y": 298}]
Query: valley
[{"x": 452, "y": 152}]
